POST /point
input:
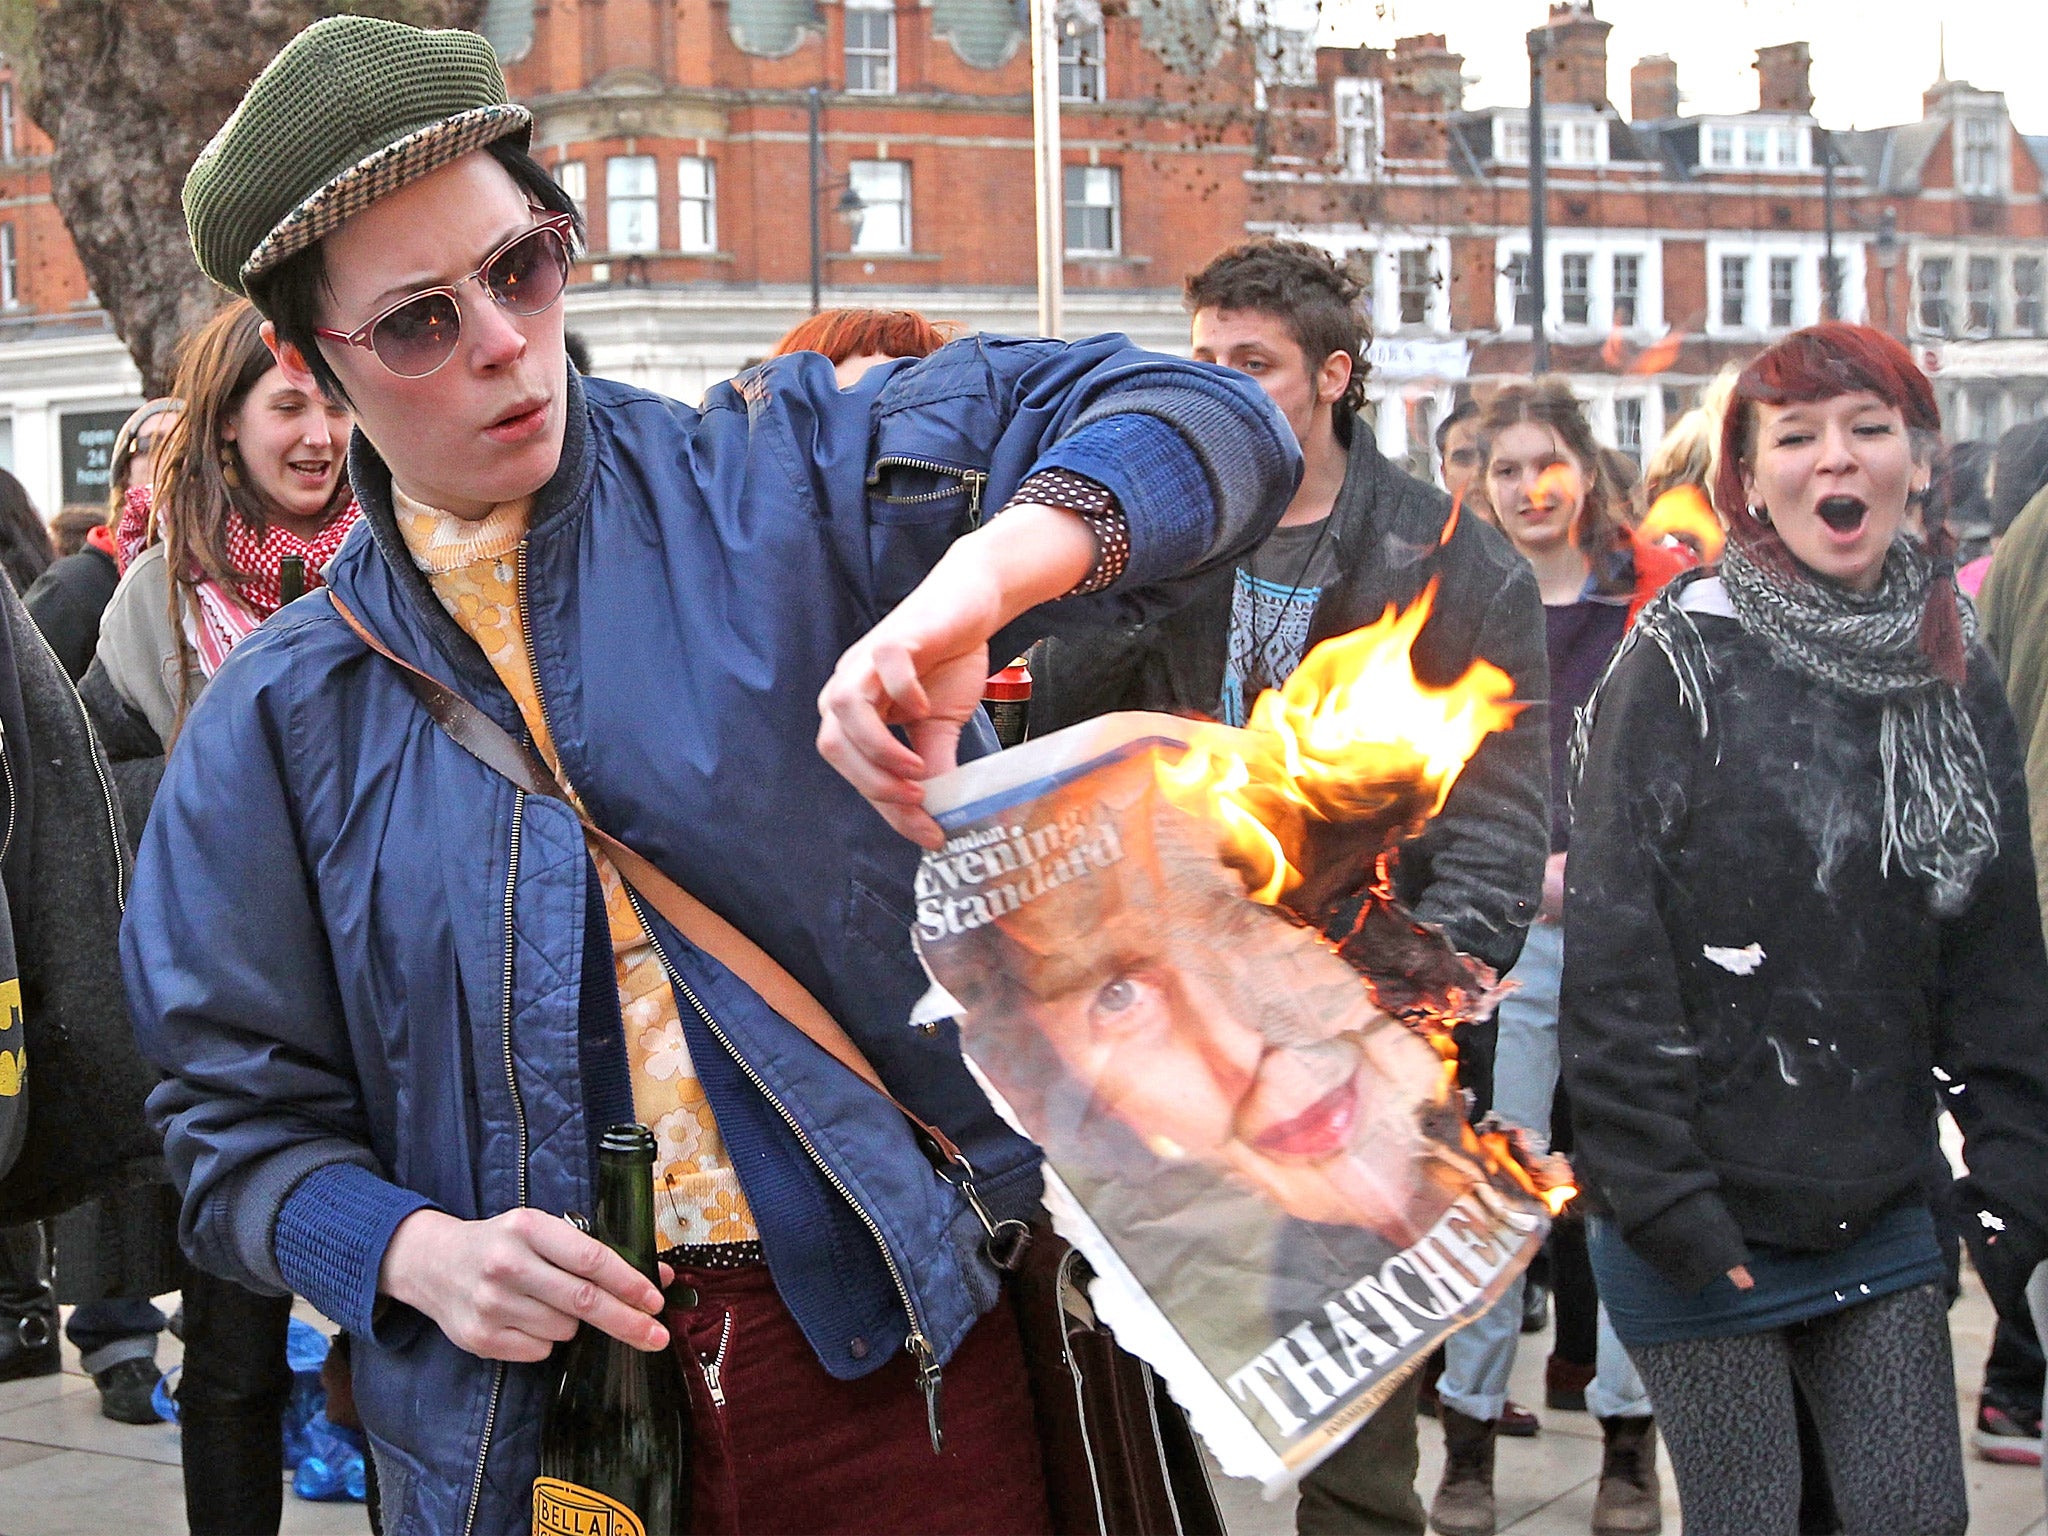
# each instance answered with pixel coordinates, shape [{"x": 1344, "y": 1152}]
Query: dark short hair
[
  {"x": 1304, "y": 290},
  {"x": 578, "y": 350},
  {"x": 1465, "y": 410},
  {"x": 289, "y": 293}
]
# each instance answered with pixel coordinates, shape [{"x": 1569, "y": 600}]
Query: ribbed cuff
[
  {"x": 1157, "y": 480},
  {"x": 330, "y": 1240}
]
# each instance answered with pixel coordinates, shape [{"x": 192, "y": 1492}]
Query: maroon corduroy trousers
[{"x": 794, "y": 1450}]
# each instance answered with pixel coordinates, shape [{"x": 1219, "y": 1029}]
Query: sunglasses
[{"x": 419, "y": 333}]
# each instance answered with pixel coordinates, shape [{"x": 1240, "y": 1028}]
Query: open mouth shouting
[{"x": 1843, "y": 515}]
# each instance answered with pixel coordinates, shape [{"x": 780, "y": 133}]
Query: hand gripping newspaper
[{"x": 1252, "y": 1131}]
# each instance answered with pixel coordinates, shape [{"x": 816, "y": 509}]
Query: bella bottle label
[{"x": 565, "y": 1509}]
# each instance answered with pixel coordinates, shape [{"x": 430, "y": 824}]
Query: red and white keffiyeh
[{"x": 224, "y": 616}]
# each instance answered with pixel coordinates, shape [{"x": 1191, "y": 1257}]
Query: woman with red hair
[
  {"x": 1801, "y": 921},
  {"x": 855, "y": 340}
]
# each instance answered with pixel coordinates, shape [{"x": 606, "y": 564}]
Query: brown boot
[
  {"x": 1564, "y": 1384},
  {"x": 1464, "y": 1499},
  {"x": 1627, "y": 1503}
]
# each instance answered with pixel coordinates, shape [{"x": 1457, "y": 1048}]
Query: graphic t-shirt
[{"x": 1277, "y": 589}]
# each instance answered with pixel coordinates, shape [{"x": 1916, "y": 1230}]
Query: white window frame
[
  {"x": 696, "y": 204},
  {"x": 1979, "y": 168},
  {"x": 1511, "y": 139},
  {"x": 1359, "y": 108},
  {"x": 1756, "y": 148},
  {"x": 1574, "y": 281},
  {"x": 1408, "y": 264},
  {"x": 1644, "y": 246},
  {"x": 573, "y": 177},
  {"x": 7, "y": 146},
  {"x": 1718, "y": 146},
  {"x": 1092, "y": 183},
  {"x": 876, "y": 61},
  {"x": 640, "y": 201},
  {"x": 1614, "y": 290},
  {"x": 1384, "y": 302},
  {"x": 10, "y": 267},
  {"x": 1722, "y": 267},
  {"x": 1624, "y": 407},
  {"x": 1976, "y": 263},
  {"x": 1778, "y": 265},
  {"x": 2030, "y": 306},
  {"x": 881, "y": 184},
  {"x": 1081, "y": 49},
  {"x": 1788, "y": 148},
  {"x": 1945, "y": 264}
]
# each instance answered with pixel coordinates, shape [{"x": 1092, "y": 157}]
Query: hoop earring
[{"x": 1761, "y": 513}]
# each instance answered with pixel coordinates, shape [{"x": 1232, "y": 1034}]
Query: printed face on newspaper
[{"x": 1270, "y": 1176}]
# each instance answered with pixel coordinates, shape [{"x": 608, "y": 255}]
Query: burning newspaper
[{"x": 1251, "y": 1133}]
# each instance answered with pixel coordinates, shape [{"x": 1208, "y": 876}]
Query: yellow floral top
[{"x": 472, "y": 569}]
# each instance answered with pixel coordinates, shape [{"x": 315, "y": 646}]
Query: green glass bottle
[{"x": 615, "y": 1440}]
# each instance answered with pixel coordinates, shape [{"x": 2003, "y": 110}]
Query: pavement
[{"x": 66, "y": 1471}]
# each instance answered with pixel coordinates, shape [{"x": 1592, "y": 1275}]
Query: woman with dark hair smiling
[{"x": 1802, "y": 921}]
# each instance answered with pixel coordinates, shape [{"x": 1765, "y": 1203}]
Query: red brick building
[{"x": 1678, "y": 244}]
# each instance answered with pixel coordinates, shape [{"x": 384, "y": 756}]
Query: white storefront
[
  {"x": 62, "y": 392},
  {"x": 65, "y": 387}
]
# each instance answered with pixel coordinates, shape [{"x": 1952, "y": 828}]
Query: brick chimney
[
  {"x": 1653, "y": 89},
  {"x": 1425, "y": 65},
  {"x": 1784, "y": 78},
  {"x": 1577, "y": 72}
]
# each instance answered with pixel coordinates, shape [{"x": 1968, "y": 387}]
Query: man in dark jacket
[
  {"x": 399, "y": 998},
  {"x": 1358, "y": 536}
]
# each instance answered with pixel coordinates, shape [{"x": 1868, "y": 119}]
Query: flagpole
[{"x": 1048, "y": 178}]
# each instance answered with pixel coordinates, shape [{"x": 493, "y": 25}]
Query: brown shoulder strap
[{"x": 490, "y": 744}]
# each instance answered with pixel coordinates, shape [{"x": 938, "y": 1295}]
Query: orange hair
[{"x": 844, "y": 333}]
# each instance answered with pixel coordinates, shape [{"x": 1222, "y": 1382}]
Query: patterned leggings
[{"x": 1881, "y": 1383}]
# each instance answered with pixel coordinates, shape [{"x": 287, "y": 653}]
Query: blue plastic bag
[
  {"x": 332, "y": 1467},
  {"x": 325, "y": 1460}
]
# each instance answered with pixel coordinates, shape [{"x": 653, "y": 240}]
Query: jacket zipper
[
  {"x": 915, "y": 1343},
  {"x": 483, "y": 1448},
  {"x": 973, "y": 479}
]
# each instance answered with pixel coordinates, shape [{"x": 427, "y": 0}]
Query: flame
[
  {"x": 1683, "y": 513},
  {"x": 1557, "y": 483},
  {"x": 1349, "y": 733},
  {"x": 1614, "y": 348},
  {"x": 1659, "y": 354}
]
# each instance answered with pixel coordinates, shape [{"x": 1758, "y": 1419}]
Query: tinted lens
[
  {"x": 418, "y": 336},
  {"x": 528, "y": 275}
]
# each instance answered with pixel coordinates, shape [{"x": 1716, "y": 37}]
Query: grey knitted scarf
[{"x": 1940, "y": 810}]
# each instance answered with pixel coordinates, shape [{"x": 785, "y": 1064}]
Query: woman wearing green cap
[{"x": 664, "y": 603}]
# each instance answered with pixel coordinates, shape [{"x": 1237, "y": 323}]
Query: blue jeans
[
  {"x": 1479, "y": 1357},
  {"x": 107, "y": 1332}
]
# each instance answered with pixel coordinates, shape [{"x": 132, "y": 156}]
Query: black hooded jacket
[{"x": 1759, "y": 1025}]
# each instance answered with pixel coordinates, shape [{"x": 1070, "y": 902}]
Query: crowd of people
[{"x": 1763, "y": 855}]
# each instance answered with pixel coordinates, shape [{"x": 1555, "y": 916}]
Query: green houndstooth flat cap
[{"x": 351, "y": 109}]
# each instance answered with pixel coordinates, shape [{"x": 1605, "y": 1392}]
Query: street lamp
[{"x": 848, "y": 208}]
